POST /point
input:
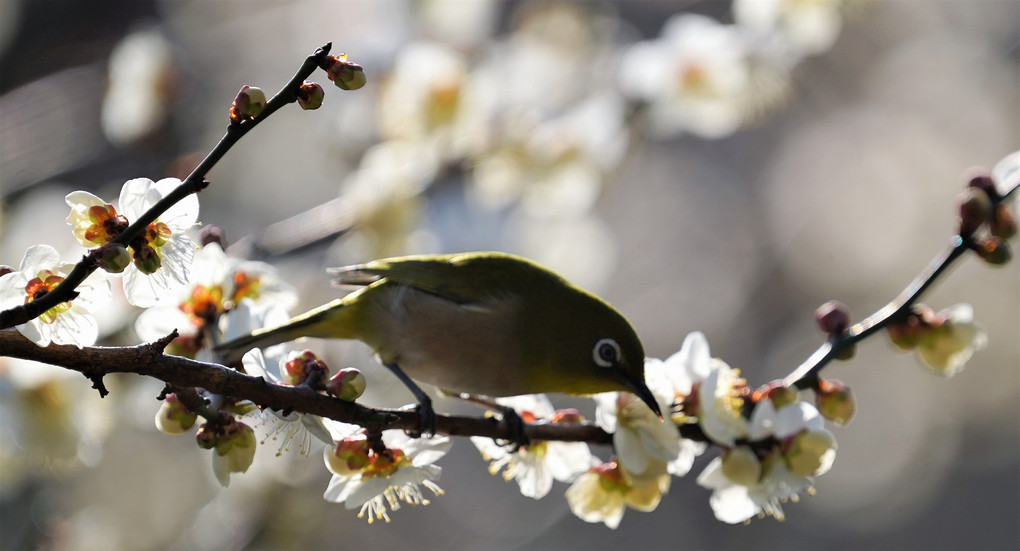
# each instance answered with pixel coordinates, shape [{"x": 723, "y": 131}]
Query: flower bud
[
  {"x": 611, "y": 477},
  {"x": 248, "y": 104},
  {"x": 349, "y": 456},
  {"x": 213, "y": 234},
  {"x": 810, "y": 452},
  {"x": 946, "y": 348},
  {"x": 741, "y": 466},
  {"x": 240, "y": 407},
  {"x": 994, "y": 251},
  {"x": 833, "y": 317},
  {"x": 567, "y": 416},
  {"x": 238, "y": 448},
  {"x": 780, "y": 394},
  {"x": 207, "y": 436},
  {"x": 981, "y": 178},
  {"x": 835, "y": 401},
  {"x": 113, "y": 257},
  {"x": 343, "y": 73},
  {"x": 906, "y": 333},
  {"x": 147, "y": 259},
  {"x": 846, "y": 352},
  {"x": 310, "y": 95},
  {"x": 348, "y": 384},
  {"x": 305, "y": 368},
  {"x": 173, "y": 417},
  {"x": 975, "y": 210},
  {"x": 1003, "y": 223}
]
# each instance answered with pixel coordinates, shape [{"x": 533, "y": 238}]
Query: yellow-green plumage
[{"x": 481, "y": 323}]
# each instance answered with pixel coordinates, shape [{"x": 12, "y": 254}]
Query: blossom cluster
[
  {"x": 768, "y": 457},
  {"x": 696, "y": 78},
  {"x": 536, "y": 121}
]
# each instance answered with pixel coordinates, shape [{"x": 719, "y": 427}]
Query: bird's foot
[
  {"x": 426, "y": 419},
  {"x": 518, "y": 429}
]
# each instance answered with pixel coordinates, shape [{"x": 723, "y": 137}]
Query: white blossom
[
  {"x": 738, "y": 498},
  {"x": 70, "y": 322},
  {"x": 535, "y": 466},
  {"x": 694, "y": 77},
  {"x": 397, "y": 475}
]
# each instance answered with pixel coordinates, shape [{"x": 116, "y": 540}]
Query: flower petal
[
  {"x": 605, "y": 410},
  {"x": 35, "y": 331},
  {"x": 695, "y": 355},
  {"x": 12, "y": 290},
  {"x": 159, "y": 321},
  {"x": 38, "y": 258},
  {"x": 136, "y": 197},
  {"x": 567, "y": 460},
  {"x": 183, "y": 214},
  {"x": 732, "y": 504},
  {"x": 76, "y": 326},
  {"x": 221, "y": 468},
  {"x": 336, "y": 490},
  {"x": 797, "y": 417},
  {"x": 94, "y": 292},
  {"x": 255, "y": 365}
]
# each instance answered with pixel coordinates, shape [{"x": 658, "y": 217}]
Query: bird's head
[
  {"x": 594, "y": 350},
  {"x": 621, "y": 359}
]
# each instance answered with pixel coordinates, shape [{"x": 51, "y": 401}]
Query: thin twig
[
  {"x": 194, "y": 183},
  {"x": 806, "y": 374}
]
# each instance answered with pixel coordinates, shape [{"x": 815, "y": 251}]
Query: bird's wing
[{"x": 462, "y": 278}]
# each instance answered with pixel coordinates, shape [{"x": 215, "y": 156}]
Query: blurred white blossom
[
  {"x": 798, "y": 28},
  {"x": 141, "y": 82},
  {"x": 946, "y": 349},
  {"x": 556, "y": 167},
  {"x": 1006, "y": 173},
  {"x": 385, "y": 195},
  {"x": 460, "y": 24},
  {"x": 50, "y": 422},
  {"x": 428, "y": 96},
  {"x": 694, "y": 77}
]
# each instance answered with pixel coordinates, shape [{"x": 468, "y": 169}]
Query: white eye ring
[{"x": 606, "y": 353}]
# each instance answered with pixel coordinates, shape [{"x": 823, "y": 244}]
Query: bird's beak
[{"x": 640, "y": 389}]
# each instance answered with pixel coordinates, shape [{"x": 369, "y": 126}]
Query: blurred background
[{"x": 713, "y": 166}]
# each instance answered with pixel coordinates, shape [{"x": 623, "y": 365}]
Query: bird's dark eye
[{"x": 606, "y": 353}]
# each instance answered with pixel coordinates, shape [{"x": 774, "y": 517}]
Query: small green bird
[{"x": 480, "y": 323}]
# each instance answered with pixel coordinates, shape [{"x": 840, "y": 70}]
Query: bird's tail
[{"x": 327, "y": 321}]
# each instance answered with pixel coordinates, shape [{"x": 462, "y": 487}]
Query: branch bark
[{"x": 95, "y": 362}]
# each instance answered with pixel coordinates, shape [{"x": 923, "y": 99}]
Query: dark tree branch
[{"x": 148, "y": 359}]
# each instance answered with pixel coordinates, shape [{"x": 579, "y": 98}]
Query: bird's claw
[
  {"x": 426, "y": 419},
  {"x": 518, "y": 430}
]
